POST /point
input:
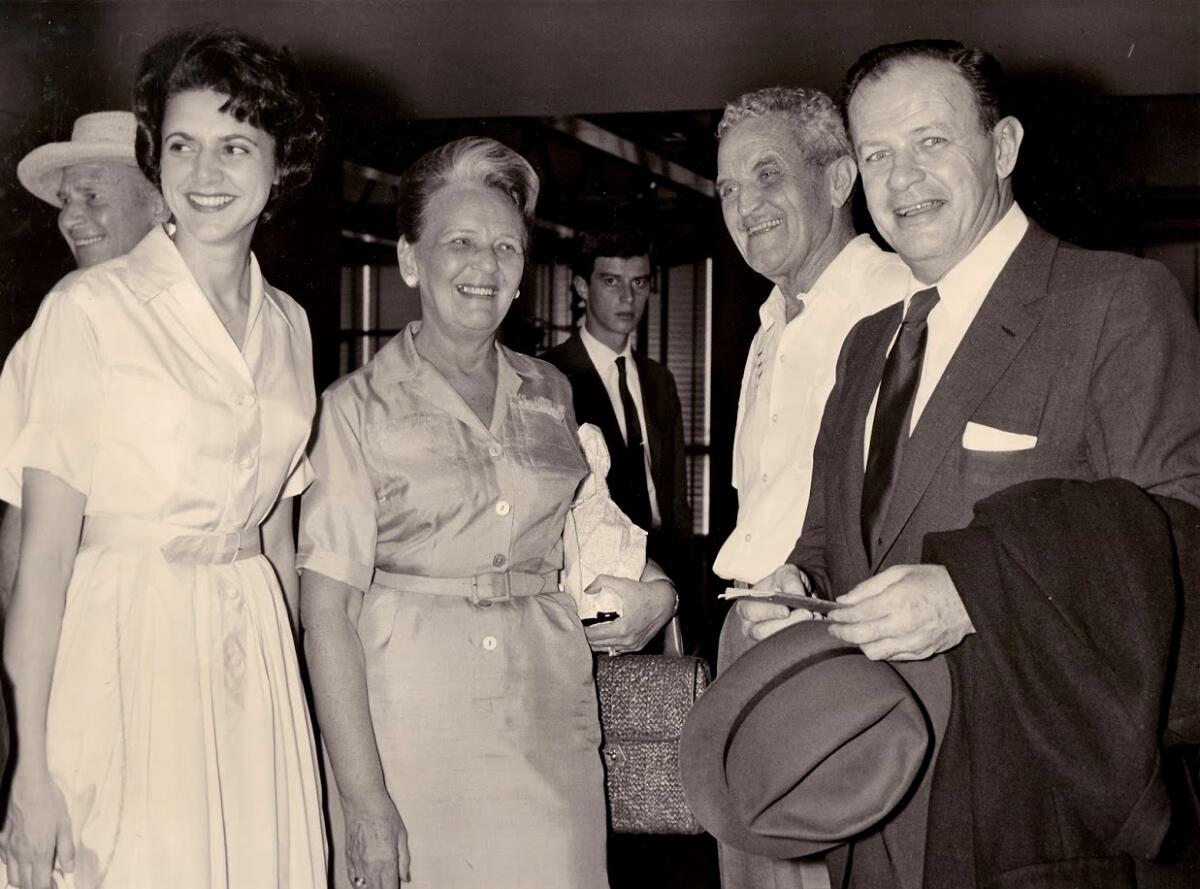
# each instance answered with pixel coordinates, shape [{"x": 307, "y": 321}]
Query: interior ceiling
[{"x": 453, "y": 59}]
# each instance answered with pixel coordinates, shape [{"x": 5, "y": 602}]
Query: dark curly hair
[
  {"x": 621, "y": 241},
  {"x": 978, "y": 68},
  {"x": 474, "y": 159},
  {"x": 265, "y": 89}
]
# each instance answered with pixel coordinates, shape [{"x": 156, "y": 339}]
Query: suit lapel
[
  {"x": 864, "y": 369},
  {"x": 592, "y": 404},
  {"x": 999, "y": 331}
]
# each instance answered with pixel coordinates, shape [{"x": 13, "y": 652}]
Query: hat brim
[
  {"x": 774, "y": 665},
  {"x": 40, "y": 171}
]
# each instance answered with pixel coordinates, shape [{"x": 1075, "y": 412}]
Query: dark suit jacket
[
  {"x": 664, "y": 438},
  {"x": 1095, "y": 354}
]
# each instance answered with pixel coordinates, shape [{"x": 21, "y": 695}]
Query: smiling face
[
  {"x": 936, "y": 180},
  {"x": 616, "y": 295},
  {"x": 777, "y": 206},
  {"x": 468, "y": 260},
  {"x": 106, "y": 209},
  {"x": 217, "y": 173}
]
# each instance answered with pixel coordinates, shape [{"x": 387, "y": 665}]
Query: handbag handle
[{"x": 673, "y": 638}]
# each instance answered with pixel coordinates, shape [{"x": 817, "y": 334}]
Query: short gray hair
[
  {"x": 812, "y": 115},
  {"x": 475, "y": 160}
]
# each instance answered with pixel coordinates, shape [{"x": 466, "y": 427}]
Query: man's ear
[
  {"x": 1006, "y": 137},
  {"x": 581, "y": 287},
  {"x": 841, "y": 175},
  {"x": 406, "y": 258}
]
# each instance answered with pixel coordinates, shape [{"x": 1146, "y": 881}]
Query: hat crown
[{"x": 105, "y": 126}]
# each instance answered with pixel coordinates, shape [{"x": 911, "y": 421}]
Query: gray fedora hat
[
  {"x": 801, "y": 744},
  {"x": 99, "y": 137}
]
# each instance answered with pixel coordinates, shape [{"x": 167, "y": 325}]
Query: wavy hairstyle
[
  {"x": 265, "y": 89},
  {"x": 811, "y": 114},
  {"x": 473, "y": 160},
  {"x": 979, "y": 68}
]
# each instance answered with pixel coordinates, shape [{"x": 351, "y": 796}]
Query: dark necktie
[
  {"x": 893, "y": 414},
  {"x": 637, "y": 503}
]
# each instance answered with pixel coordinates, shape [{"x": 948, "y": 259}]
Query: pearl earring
[{"x": 411, "y": 280}]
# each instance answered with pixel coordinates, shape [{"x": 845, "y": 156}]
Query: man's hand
[
  {"x": 646, "y": 605},
  {"x": 906, "y": 613},
  {"x": 763, "y": 619}
]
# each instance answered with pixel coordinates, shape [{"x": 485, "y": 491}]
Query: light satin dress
[
  {"x": 485, "y": 716},
  {"x": 177, "y": 725}
]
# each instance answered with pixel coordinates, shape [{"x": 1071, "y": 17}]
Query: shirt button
[
  {"x": 774, "y": 418},
  {"x": 489, "y": 643},
  {"x": 503, "y": 508},
  {"x": 764, "y": 476},
  {"x": 245, "y": 399},
  {"x": 246, "y": 463},
  {"x": 747, "y": 538},
  {"x": 495, "y": 450},
  {"x": 498, "y": 560},
  {"x": 783, "y": 359}
]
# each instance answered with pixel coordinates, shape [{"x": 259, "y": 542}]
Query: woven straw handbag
[{"x": 644, "y": 700}]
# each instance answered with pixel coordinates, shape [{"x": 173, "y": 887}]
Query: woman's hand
[
  {"x": 376, "y": 843},
  {"x": 646, "y": 605},
  {"x": 36, "y": 831}
]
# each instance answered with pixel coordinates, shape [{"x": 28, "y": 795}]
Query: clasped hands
[{"x": 904, "y": 613}]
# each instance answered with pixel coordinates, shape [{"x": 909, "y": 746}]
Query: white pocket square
[{"x": 977, "y": 437}]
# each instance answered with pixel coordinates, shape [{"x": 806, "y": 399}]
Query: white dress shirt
[
  {"x": 962, "y": 291},
  {"x": 789, "y": 374},
  {"x": 604, "y": 360}
]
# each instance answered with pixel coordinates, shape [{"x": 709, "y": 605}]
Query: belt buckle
[{"x": 485, "y": 599}]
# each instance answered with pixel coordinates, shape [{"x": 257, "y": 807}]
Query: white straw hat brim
[{"x": 40, "y": 171}]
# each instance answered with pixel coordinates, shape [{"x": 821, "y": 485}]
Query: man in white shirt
[
  {"x": 105, "y": 207},
  {"x": 785, "y": 175},
  {"x": 631, "y": 398},
  {"x": 1015, "y": 357}
]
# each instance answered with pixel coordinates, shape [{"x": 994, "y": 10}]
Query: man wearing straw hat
[{"x": 105, "y": 207}]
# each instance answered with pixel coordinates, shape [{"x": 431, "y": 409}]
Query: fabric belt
[
  {"x": 481, "y": 589},
  {"x": 177, "y": 543}
]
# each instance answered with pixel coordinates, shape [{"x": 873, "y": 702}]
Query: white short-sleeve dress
[{"x": 177, "y": 726}]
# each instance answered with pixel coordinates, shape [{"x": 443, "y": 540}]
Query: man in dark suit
[
  {"x": 1015, "y": 357},
  {"x": 631, "y": 399}
]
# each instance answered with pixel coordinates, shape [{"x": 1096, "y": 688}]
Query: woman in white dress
[{"x": 162, "y": 733}]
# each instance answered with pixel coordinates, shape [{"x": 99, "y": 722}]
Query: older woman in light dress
[{"x": 453, "y": 680}]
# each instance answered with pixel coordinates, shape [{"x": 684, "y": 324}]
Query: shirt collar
[
  {"x": 969, "y": 281},
  {"x": 601, "y": 354},
  {"x": 837, "y": 277},
  {"x": 155, "y": 266},
  {"x": 399, "y": 360}
]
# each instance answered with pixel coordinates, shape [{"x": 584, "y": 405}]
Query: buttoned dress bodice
[
  {"x": 177, "y": 727},
  {"x": 484, "y": 714}
]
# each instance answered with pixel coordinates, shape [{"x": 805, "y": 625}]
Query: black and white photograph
[{"x": 600, "y": 444}]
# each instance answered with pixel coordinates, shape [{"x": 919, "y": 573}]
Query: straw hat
[
  {"x": 96, "y": 138},
  {"x": 801, "y": 744}
]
